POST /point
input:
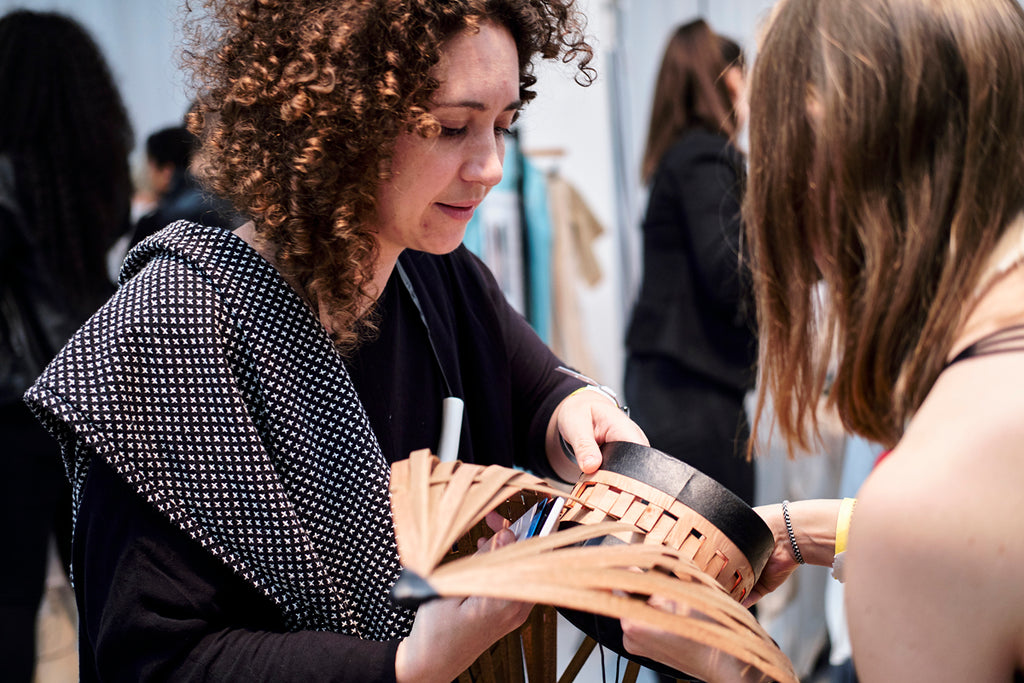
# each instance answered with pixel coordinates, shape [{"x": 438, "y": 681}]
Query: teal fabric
[{"x": 520, "y": 172}]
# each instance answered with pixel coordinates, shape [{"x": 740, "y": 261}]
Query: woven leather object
[
  {"x": 671, "y": 504},
  {"x": 664, "y": 499},
  {"x": 578, "y": 567}
]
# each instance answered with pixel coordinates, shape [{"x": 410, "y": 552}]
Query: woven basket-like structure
[
  {"x": 664, "y": 507},
  {"x": 600, "y": 563},
  {"x": 670, "y": 505}
]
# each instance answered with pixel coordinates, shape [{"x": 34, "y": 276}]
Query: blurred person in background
[
  {"x": 691, "y": 345},
  {"x": 65, "y": 193},
  {"x": 179, "y": 196}
]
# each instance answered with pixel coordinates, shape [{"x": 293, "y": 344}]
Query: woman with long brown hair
[
  {"x": 887, "y": 147},
  {"x": 690, "y": 344},
  {"x": 230, "y": 415}
]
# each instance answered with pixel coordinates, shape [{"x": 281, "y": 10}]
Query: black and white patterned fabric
[{"x": 214, "y": 391}]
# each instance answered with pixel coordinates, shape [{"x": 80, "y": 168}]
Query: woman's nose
[{"x": 484, "y": 164}]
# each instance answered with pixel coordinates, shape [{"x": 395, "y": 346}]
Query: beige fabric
[{"x": 574, "y": 265}]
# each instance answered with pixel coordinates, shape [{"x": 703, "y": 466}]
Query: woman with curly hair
[
  {"x": 886, "y": 156},
  {"x": 65, "y": 193},
  {"x": 229, "y": 416}
]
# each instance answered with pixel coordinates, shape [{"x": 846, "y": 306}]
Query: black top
[
  {"x": 469, "y": 337},
  {"x": 185, "y": 200},
  {"x": 1007, "y": 340},
  {"x": 695, "y": 303},
  {"x": 155, "y": 606},
  {"x": 36, "y": 317}
]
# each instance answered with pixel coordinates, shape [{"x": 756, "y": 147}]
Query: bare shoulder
[{"x": 937, "y": 542}]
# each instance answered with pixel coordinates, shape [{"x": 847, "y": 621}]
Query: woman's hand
[
  {"x": 814, "y": 527},
  {"x": 781, "y": 563},
  {"x": 688, "y": 656},
  {"x": 586, "y": 420},
  {"x": 448, "y": 635}
]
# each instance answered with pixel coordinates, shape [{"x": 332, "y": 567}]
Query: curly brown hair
[{"x": 299, "y": 104}]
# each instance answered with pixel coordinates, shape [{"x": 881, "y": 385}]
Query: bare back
[{"x": 934, "y": 588}]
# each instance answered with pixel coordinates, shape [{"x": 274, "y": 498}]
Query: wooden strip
[
  {"x": 636, "y": 509},
  {"x": 578, "y": 660},
  {"x": 682, "y": 536},
  {"x": 716, "y": 563},
  {"x": 704, "y": 554},
  {"x": 484, "y": 666},
  {"x": 651, "y": 515},
  {"x": 621, "y": 504},
  {"x": 430, "y": 500},
  {"x": 538, "y": 640},
  {"x": 666, "y": 522},
  {"x": 512, "y": 657}
]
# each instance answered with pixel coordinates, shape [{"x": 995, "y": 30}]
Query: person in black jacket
[
  {"x": 179, "y": 195},
  {"x": 65, "y": 193},
  {"x": 691, "y": 345}
]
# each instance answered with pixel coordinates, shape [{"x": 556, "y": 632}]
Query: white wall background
[{"x": 600, "y": 128}]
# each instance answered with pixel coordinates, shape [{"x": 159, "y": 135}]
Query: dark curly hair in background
[{"x": 299, "y": 105}]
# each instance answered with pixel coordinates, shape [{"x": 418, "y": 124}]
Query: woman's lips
[{"x": 462, "y": 212}]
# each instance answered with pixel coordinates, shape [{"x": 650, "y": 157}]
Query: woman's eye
[
  {"x": 499, "y": 130},
  {"x": 452, "y": 132}
]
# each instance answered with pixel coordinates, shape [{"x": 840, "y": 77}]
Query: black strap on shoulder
[{"x": 1007, "y": 340}]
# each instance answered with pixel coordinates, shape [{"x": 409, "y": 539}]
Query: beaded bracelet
[{"x": 789, "y": 530}]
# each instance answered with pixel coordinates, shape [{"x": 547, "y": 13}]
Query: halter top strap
[{"x": 1007, "y": 340}]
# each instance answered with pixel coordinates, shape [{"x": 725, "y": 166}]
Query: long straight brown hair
[
  {"x": 690, "y": 90},
  {"x": 886, "y": 158}
]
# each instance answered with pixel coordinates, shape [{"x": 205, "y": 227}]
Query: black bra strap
[{"x": 1006, "y": 340}]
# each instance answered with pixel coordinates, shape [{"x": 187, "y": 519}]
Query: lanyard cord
[{"x": 452, "y": 406}]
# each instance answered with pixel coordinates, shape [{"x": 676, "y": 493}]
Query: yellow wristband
[
  {"x": 597, "y": 390},
  {"x": 843, "y": 523}
]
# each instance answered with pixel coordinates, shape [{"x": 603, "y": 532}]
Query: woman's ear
[{"x": 735, "y": 83}]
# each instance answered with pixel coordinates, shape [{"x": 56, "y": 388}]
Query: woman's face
[
  {"x": 736, "y": 83},
  {"x": 437, "y": 183}
]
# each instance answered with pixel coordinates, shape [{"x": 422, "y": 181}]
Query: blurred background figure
[
  {"x": 691, "y": 346},
  {"x": 65, "y": 193},
  {"x": 177, "y": 193}
]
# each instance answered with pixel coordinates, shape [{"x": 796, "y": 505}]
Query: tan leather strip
[{"x": 677, "y": 557}]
